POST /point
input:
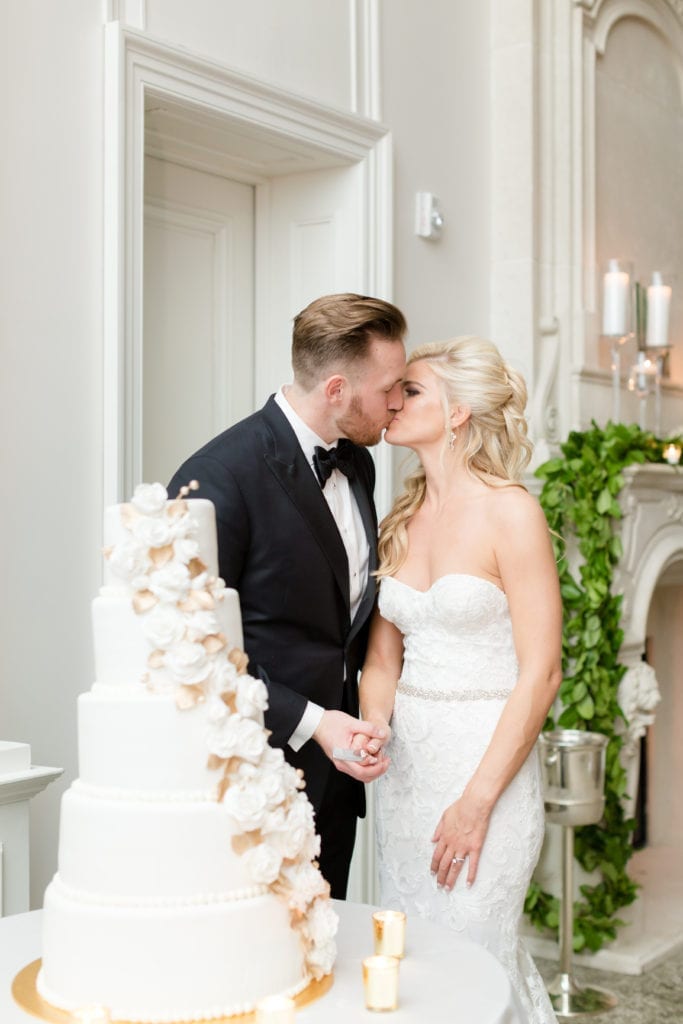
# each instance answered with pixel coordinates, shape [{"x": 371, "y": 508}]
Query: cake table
[{"x": 443, "y": 978}]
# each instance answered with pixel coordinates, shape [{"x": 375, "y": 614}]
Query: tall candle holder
[
  {"x": 645, "y": 378},
  {"x": 616, "y": 319}
]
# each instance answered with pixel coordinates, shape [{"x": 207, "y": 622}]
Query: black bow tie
[{"x": 327, "y": 459}]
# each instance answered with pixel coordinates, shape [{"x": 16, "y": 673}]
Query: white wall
[
  {"x": 50, "y": 383},
  {"x": 435, "y": 76},
  {"x": 435, "y": 95}
]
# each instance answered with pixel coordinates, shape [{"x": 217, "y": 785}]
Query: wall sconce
[{"x": 631, "y": 311}]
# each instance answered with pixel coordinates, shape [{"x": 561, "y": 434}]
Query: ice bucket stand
[{"x": 573, "y": 770}]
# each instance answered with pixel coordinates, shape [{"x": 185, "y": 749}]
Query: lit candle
[
  {"x": 380, "y": 980},
  {"x": 389, "y": 927},
  {"x": 672, "y": 454},
  {"x": 275, "y": 1010},
  {"x": 614, "y": 300},
  {"x": 658, "y": 302},
  {"x": 91, "y": 1015}
]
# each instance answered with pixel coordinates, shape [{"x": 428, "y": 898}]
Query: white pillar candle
[
  {"x": 658, "y": 303},
  {"x": 275, "y": 1010},
  {"x": 380, "y": 980},
  {"x": 614, "y": 300},
  {"x": 389, "y": 927}
]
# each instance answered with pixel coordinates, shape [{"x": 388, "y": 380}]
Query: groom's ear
[{"x": 334, "y": 388}]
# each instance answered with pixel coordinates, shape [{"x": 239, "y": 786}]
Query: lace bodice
[
  {"x": 449, "y": 628},
  {"x": 459, "y": 668}
]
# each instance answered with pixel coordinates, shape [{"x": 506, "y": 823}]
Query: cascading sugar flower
[
  {"x": 164, "y": 627},
  {"x": 176, "y": 598},
  {"x": 189, "y": 662},
  {"x": 252, "y": 697},
  {"x": 264, "y": 863},
  {"x": 149, "y": 499},
  {"x": 170, "y": 583}
]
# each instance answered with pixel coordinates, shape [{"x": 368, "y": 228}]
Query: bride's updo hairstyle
[{"x": 496, "y": 448}]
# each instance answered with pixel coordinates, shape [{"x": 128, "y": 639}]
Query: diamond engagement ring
[{"x": 459, "y": 860}]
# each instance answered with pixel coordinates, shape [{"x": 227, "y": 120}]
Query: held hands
[
  {"x": 459, "y": 838},
  {"x": 337, "y": 729}
]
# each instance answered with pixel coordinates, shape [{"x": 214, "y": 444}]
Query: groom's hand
[{"x": 337, "y": 729}]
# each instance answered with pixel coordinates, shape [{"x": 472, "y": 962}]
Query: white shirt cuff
[{"x": 309, "y": 722}]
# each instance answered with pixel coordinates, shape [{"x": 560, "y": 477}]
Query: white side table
[{"x": 19, "y": 781}]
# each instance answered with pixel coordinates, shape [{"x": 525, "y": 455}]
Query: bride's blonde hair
[{"x": 496, "y": 449}]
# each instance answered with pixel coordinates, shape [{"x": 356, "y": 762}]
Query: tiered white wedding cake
[{"x": 186, "y": 887}]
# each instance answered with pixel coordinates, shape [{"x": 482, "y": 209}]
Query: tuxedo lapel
[
  {"x": 287, "y": 463},
  {"x": 364, "y": 499}
]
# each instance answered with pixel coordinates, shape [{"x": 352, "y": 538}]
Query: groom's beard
[{"x": 359, "y": 427}]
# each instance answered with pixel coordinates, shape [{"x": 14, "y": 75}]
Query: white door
[
  {"x": 198, "y": 312},
  {"x": 310, "y": 230}
]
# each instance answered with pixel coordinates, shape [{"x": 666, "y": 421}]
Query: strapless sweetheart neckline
[{"x": 448, "y": 576}]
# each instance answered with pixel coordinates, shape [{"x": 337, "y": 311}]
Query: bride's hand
[
  {"x": 362, "y": 743},
  {"x": 460, "y": 834}
]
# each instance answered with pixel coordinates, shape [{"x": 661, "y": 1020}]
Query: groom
[{"x": 297, "y": 538}]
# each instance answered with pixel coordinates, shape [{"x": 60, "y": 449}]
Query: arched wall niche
[
  {"x": 639, "y": 156},
  {"x": 545, "y": 294}
]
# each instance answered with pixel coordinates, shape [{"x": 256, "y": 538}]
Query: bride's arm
[
  {"x": 381, "y": 670},
  {"x": 526, "y": 564}
]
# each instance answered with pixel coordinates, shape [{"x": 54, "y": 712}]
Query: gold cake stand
[{"x": 26, "y": 994}]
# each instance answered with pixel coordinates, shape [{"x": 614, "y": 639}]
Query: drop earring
[{"x": 451, "y": 440}]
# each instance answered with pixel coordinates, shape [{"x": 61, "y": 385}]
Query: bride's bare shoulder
[{"x": 514, "y": 506}]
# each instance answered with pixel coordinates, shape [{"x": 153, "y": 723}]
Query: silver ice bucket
[{"x": 573, "y": 773}]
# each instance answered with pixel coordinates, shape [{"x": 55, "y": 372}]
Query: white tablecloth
[{"x": 443, "y": 979}]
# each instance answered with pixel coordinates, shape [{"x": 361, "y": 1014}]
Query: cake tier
[
  {"x": 122, "y": 647},
  {"x": 122, "y": 851},
  {"x": 203, "y": 515},
  {"x": 139, "y": 742},
  {"x": 166, "y": 964}
]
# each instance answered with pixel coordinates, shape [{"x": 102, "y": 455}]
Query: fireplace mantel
[{"x": 652, "y": 538}]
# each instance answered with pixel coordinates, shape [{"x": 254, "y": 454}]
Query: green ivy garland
[{"x": 579, "y": 497}]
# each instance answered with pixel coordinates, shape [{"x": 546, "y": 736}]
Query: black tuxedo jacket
[{"x": 279, "y": 547}]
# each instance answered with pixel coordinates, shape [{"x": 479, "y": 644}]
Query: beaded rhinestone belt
[{"x": 456, "y": 695}]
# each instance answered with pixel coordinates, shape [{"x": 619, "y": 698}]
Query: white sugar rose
[
  {"x": 237, "y": 737},
  {"x": 263, "y": 863},
  {"x": 164, "y": 626},
  {"x": 188, "y": 662},
  {"x": 149, "y": 499},
  {"x": 217, "y": 711},
  {"x": 274, "y": 821},
  {"x": 252, "y": 740},
  {"x": 201, "y": 624},
  {"x": 252, "y": 697},
  {"x": 271, "y": 785},
  {"x": 295, "y": 837},
  {"x": 185, "y": 549},
  {"x": 128, "y": 559},
  {"x": 170, "y": 583},
  {"x": 306, "y": 885},
  {"x": 320, "y": 958},
  {"x": 152, "y": 532},
  {"x": 224, "y": 677},
  {"x": 246, "y": 805}
]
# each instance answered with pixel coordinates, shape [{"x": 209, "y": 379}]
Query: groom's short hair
[{"x": 335, "y": 331}]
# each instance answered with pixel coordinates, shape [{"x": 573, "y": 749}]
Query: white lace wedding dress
[{"x": 459, "y": 668}]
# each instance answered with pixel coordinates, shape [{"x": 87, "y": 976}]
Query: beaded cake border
[{"x": 26, "y": 995}]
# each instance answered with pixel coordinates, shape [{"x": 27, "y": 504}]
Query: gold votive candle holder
[
  {"x": 275, "y": 1010},
  {"x": 672, "y": 454},
  {"x": 91, "y": 1015},
  {"x": 380, "y": 981},
  {"x": 389, "y": 930}
]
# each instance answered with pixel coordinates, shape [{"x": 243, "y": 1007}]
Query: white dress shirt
[{"x": 344, "y": 508}]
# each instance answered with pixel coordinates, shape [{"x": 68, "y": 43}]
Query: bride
[{"x": 464, "y": 658}]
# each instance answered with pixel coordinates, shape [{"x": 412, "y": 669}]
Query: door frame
[{"x": 137, "y": 65}]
